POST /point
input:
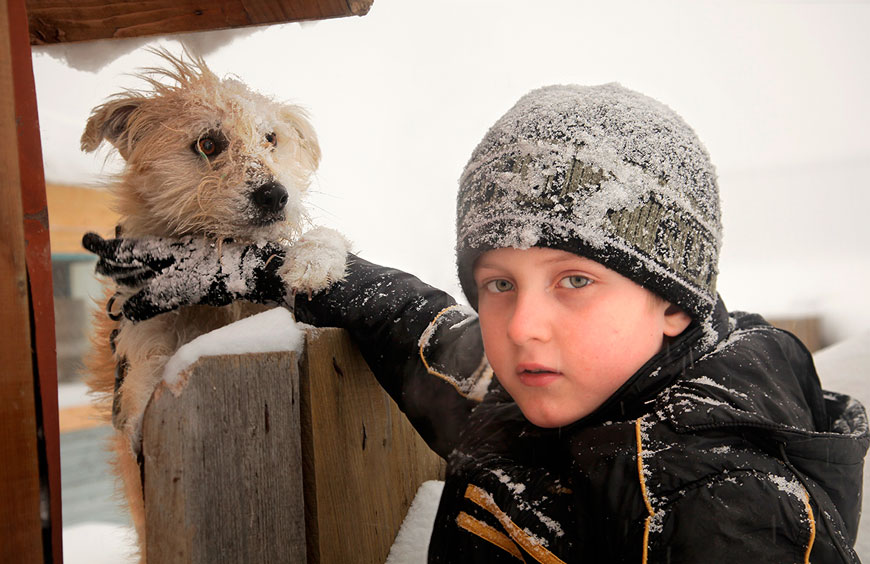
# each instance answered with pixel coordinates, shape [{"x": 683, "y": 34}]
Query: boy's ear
[{"x": 676, "y": 320}]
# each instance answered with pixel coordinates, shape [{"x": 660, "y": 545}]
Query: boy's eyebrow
[{"x": 483, "y": 263}]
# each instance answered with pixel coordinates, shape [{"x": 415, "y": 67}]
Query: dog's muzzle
[{"x": 270, "y": 198}]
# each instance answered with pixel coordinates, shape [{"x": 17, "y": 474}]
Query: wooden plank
[
  {"x": 223, "y": 472},
  {"x": 75, "y": 210},
  {"x": 63, "y": 21},
  {"x": 39, "y": 272},
  {"x": 20, "y": 523},
  {"x": 363, "y": 460}
]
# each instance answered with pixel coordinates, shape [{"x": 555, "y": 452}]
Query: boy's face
[{"x": 562, "y": 332}]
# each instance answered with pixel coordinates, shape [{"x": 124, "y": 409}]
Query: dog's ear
[
  {"x": 111, "y": 122},
  {"x": 308, "y": 144}
]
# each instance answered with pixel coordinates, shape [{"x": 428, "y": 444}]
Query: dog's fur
[{"x": 169, "y": 188}]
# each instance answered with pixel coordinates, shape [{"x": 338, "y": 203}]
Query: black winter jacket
[{"x": 722, "y": 448}]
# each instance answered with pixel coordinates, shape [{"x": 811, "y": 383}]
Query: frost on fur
[{"x": 315, "y": 261}]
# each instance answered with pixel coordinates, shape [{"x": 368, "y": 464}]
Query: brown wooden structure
[
  {"x": 261, "y": 458},
  {"x": 30, "y": 516}
]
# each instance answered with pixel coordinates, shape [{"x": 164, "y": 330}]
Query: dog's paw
[{"x": 315, "y": 261}]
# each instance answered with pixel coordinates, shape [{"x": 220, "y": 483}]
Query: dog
[{"x": 203, "y": 156}]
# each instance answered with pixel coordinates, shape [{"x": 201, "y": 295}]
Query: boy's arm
[{"x": 424, "y": 349}]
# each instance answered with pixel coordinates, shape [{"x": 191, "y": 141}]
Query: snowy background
[{"x": 777, "y": 91}]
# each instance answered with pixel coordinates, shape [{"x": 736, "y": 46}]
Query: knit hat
[{"x": 603, "y": 172}]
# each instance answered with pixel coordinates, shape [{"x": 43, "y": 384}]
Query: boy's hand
[{"x": 170, "y": 273}]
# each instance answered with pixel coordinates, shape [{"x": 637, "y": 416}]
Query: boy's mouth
[{"x": 536, "y": 375}]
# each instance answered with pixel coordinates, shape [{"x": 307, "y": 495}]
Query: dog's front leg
[
  {"x": 143, "y": 350},
  {"x": 315, "y": 261}
]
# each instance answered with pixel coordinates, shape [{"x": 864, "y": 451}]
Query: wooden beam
[
  {"x": 20, "y": 524},
  {"x": 64, "y": 21}
]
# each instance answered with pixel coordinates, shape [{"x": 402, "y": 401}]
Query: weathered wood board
[
  {"x": 223, "y": 474},
  {"x": 363, "y": 460}
]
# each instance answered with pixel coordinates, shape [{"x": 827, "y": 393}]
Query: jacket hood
[{"x": 762, "y": 380}]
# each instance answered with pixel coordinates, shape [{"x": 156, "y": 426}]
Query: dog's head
[{"x": 206, "y": 155}]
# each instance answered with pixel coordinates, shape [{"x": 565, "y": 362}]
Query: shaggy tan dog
[{"x": 204, "y": 157}]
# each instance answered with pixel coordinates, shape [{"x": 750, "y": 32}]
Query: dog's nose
[{"x": 270, "y": 197}]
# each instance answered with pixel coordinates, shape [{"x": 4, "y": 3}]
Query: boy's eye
[
  {"x": 575, "y": 281},
  {"x": 499, "y": 286}
]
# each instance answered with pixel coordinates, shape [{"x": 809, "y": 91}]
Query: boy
[{"x": 631, "y": 418}]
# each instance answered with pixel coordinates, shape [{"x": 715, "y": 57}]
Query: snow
[
  {"x": 783, "y": 118},
  {"x": 72, "y": 394},
  {"x": 271, "y": 331},
  {"x": 94, "y": 56},
  {"x": 98, "y": 543},
  {"x": 412, "y": 541}
]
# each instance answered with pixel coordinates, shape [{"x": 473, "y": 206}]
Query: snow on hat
[{"x": 603, "y": 172}]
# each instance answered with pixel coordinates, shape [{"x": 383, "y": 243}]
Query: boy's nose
[{"x": 530, "y": 320}]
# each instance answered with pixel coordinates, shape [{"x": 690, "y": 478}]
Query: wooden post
[
  {"x": 223, "y": 470},
  {"x": 363, "y": 460},
  {"x": 21, "y": 524},
  {"x": 259, "y": 459}
]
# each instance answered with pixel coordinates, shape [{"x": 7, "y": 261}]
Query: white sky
[{"x": 777, "y": 91}]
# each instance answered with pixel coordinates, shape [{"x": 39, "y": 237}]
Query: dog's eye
[
  {"x": 272, "y": 139},
  {"x": 209, "y": 145},
  {"x": 206, "y": 146}
]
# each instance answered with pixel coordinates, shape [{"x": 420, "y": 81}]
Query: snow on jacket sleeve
[{"x": 424, "y": 349}]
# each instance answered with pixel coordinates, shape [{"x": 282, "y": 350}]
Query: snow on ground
[
  {"x": 98, "y": 543},
  {"x": 72, "y": 394}
]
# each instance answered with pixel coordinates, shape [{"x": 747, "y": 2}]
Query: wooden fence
[{"x": 270, "y": 458}]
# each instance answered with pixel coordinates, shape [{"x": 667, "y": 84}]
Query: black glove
[{"x": 171, "y": 273}]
